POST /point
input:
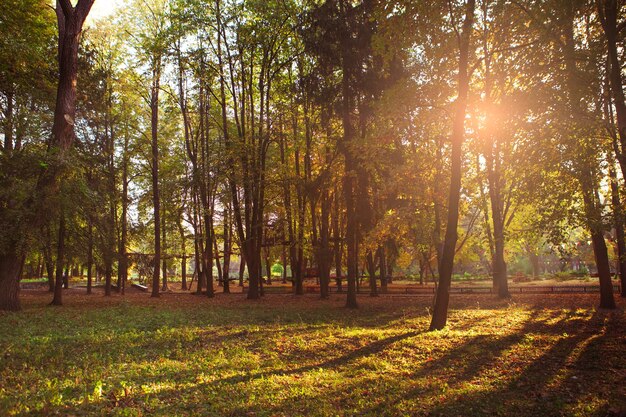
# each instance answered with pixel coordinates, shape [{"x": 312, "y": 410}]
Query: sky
[{"x": 103, "y": 8}]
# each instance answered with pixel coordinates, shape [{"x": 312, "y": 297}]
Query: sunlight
[{"x": 316, "y": 208}]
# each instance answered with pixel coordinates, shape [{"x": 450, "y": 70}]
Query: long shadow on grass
[
  {"x": 364, "y": 351},
  {"x": 535, "y": 390},
  {"x": 463, "y": 360},
  {"x": 141, "y": 341},
  {"x": 596, "y": 371},
  {"x": 468, "y": 347},
  {"x": 171, "y": 397},
  {"x": 142, "y": 332},
  {"x": 467, "y": 361}
]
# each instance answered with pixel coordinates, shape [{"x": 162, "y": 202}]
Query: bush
[
  {"x": 465, "y": 276},
  {"x": 562, "y": 276}
]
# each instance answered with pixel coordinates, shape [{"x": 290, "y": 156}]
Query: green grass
[
  {"x": 285, "y": 356},
  {"x": 31, "y": 280}
]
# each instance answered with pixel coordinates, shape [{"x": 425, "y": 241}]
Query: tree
[
  {"x": 440, "y": 310},
  {"x": 151, "y": 38},
  {"x": 70, "y": 21},
  {"x": 27, "y": 36}
]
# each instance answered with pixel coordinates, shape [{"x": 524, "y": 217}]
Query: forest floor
[{"x": 180, "y": 354}]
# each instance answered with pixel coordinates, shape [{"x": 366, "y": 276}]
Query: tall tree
[
  {"x": 26, "y": 94},
  {"x": 610, "y": 12},
  {"x": 70, "y": 20},
  {"x": 442, "y": 298}
]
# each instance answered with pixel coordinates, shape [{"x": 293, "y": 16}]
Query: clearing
[{"x": 547, "y": 355}]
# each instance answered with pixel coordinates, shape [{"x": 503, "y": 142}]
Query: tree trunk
[
  {"x": 242, "y": 268},
  {"x": 383, "y": 269},
  {"x": 216, "y": 255},
  {"x": 618, "y": 216},
  {"x": 604, "y": 270},
  {"x": 122, "y": 265},
  {"x": 495, "y": 180},
  {"x": 338, "y": 250},
  {"x": 156, "y": 198},
  {"x": 349, "y": 177},
  {"x": 108, "y": 274},
  {"x": 164, "y": 262},
  {"x": 324, "y": 249},
  {"x": 254, "y": 264},
  {"x": 227, "y": 249},
  {"x": 283, "y": 260},
  {"x": 57, "y": 300},
  {"x": 10, "y": 269},
  {"x": 499, "y": 264},
  {"x": 390, "y": 266},
  {"x": 89, "y": 254},
  {"x": 609, "y": 11},
  {"x": 588, "y": 183},
  {"x": 208, "y": 247},
  {"x": 442, "y": 299},
  {"x": 47, "y": 255},
  {"x": 594, "y": 224},
  {"x": 268, "y": 268},
  {"x": 198, "y": 249},
  {"x": 371, "y": 271},
  {"x": 351, "y": 238},
  {"x": 8, "y": 122},
  {"x": 534, "y": 261}
]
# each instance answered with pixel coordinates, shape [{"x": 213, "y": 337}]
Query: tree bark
[
  {"x": 604, "y": 270},
  {"x": 183, "y": 261},
  {"x": 57, "y": 300},
  {"x": 351, "y": 237},
  {"x": 324, "y": 249},
  {"x": 89, "y": 254},
  {"x": 227, "y": 249},
  {"x": 208, "y": 257},
  {"x": 10, "y": 268},
  {"x": 242, "y": 268},
  {"x": 8, "y": 122},
  {"x": 347, "y": 142},
  {"x": 156, "y": 198},
  {"x": 442, "y": 299},
  {"x": 338, "y": 249},
  {"x": 218, "y": 264},
  {"x": 164, "y": 262},
  {"x": 47, "y": 255},
  {"x": 371, "y": 270},
  {"x": 122, "y": 266},
  {"x": 383, "y": 269},
  {"x": 618, "y": 216}
]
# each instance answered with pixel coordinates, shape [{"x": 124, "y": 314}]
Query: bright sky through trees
[{"x": 103, "y": 8}]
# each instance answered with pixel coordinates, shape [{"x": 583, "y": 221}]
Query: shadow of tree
[
  {"x": 546, "y": 386},
  {"x": 576, "y": 344}
]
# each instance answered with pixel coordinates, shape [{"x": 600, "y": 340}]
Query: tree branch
[
  {"x": 66, "y": 7},
  {"x": 82, "y": 10}
]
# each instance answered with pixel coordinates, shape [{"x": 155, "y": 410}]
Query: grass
[{"x": 288, "y": 356}]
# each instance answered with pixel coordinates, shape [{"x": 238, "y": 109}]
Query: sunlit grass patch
[{"x": 287, "y": 357}]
